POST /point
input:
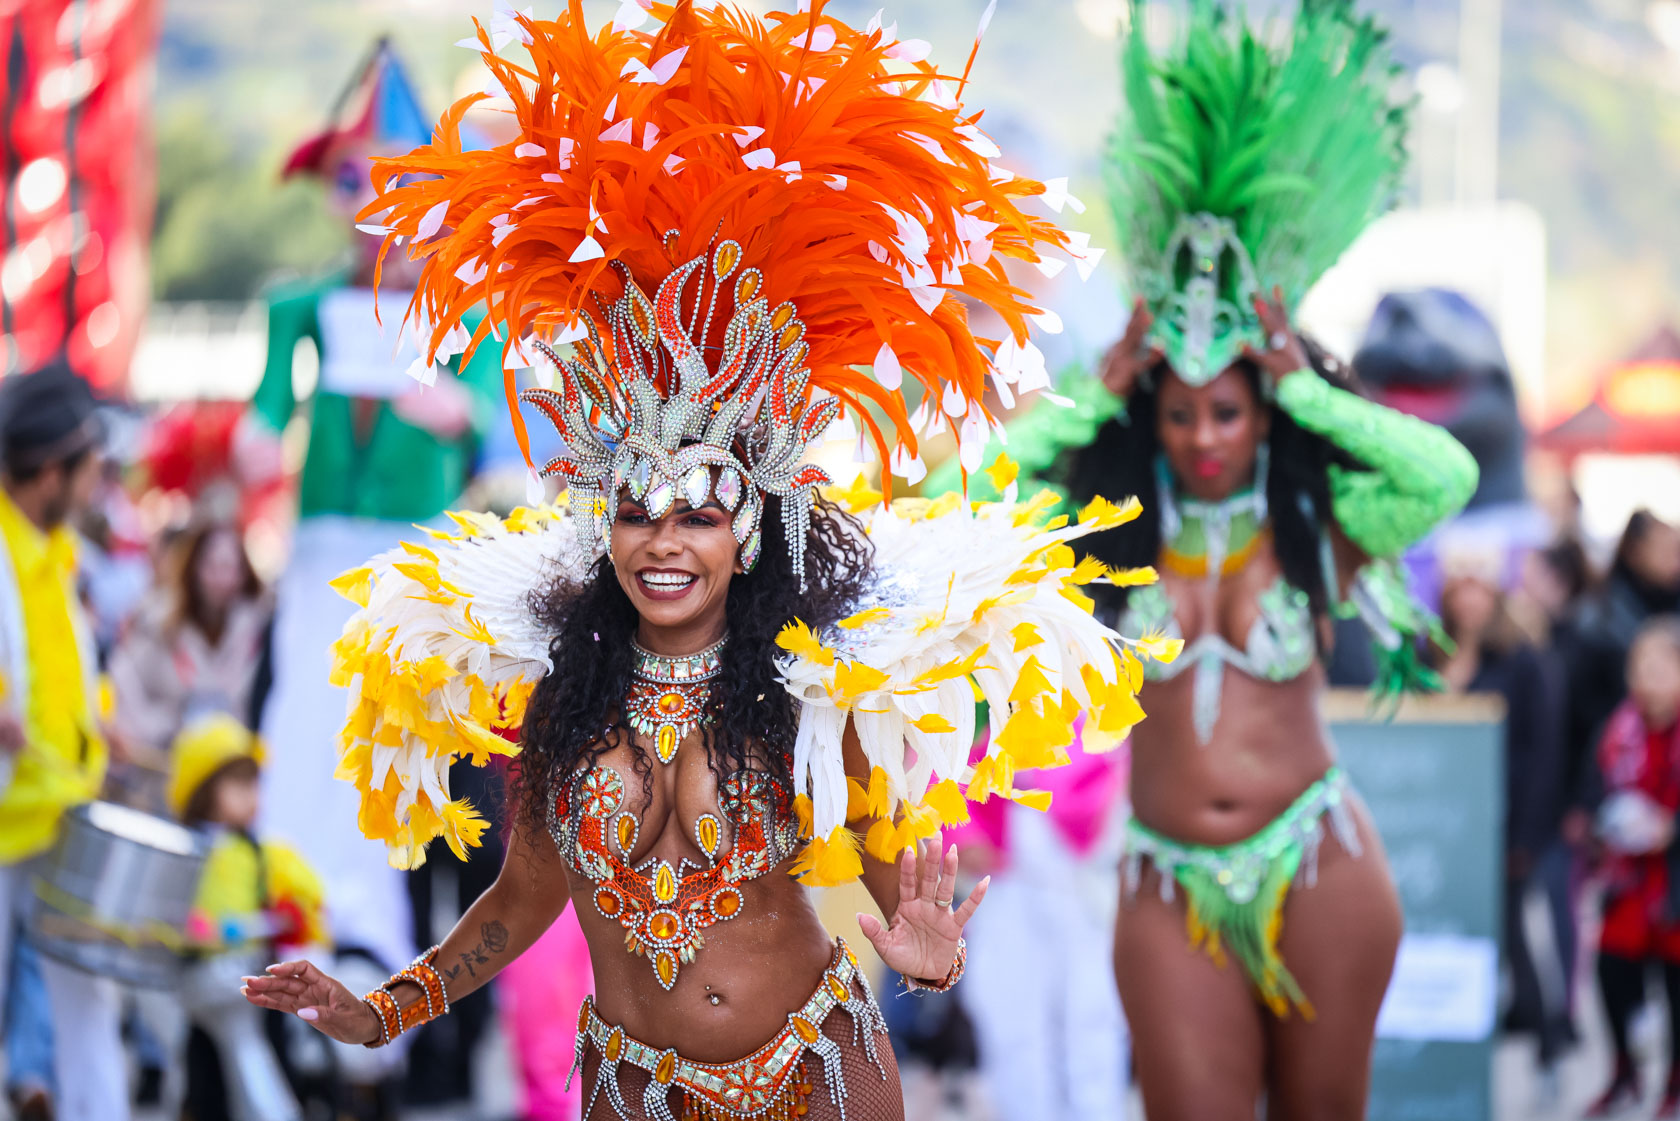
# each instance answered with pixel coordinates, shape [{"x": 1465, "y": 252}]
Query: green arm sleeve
[
  {"x": 1419, "y": 475},
  {"x": 1039, "y": 435},
  {"x": 290, "y": 318}
]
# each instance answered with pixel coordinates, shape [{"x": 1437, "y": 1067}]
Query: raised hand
[
  {"x": 1284, "y": 353},
  {"x": 920, "y": 939},
  {"x": 298, "y": 987},
  {"x": 1128, "y": 359}
]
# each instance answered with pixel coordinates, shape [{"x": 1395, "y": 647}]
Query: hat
[
  {"x": 204, "y": 747},
  {"x": 379, "y": 105},
  {"x": 46, "y": 416}
]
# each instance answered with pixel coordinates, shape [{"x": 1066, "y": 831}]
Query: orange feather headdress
[{"x": 803, "y": 200}]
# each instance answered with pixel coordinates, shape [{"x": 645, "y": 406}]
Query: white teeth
[{"x": 667, "y": 579}]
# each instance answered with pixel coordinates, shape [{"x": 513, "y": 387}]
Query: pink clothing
[
  {"x": 537, "y": 996},
  {"x": 1082, "y": 794}
]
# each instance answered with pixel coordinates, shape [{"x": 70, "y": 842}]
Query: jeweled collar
[
  {"x": 678, "y": 669},
  {"x": 1199, "y": 538}
]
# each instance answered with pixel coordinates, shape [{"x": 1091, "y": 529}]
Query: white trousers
[
  {"x": 1040, "y": 983},
  {"x": 89, "y": 1067}
]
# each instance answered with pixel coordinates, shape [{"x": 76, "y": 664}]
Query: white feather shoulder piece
[
  {"x": 968, "y": 602},
  {"x": 439, "y": 660}
]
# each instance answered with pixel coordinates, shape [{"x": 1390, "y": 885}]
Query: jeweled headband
[
  {"x": 666, "y": 424},
  {"x": 1236, "y": 165}
]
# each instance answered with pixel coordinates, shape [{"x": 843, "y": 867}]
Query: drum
[{"x": 113, "y": 897}]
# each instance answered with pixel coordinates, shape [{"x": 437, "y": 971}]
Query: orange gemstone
[
  {"x": 666, "y": 742},
  {"x": 663, "y": 925},
  {"x": 583, "y": 1014},
  {"x": 726, "y": 903},
  {"x": 615, "y": 1045},
  {"x": 707, "y": 832},
  {"x": 667, "y": 1068},
  {"x": 804, "y": 1029},
  {"x": 670, "y": 703},
  {"x": 606, "y": 903},
  {"x": 665, "y": 964},
  {"x": 837, "y": 987},
  {"x": 665, "y": 883},
  {"x": 626, "y": 831}
]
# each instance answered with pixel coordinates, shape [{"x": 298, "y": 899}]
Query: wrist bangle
[
  {"x": 946, "y": 983},
  {"x": 395, "y": 1019}
]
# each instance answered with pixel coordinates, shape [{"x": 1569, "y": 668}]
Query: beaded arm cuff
[
  {"x": 395, "y": 1019},
  {"x": 946, "y": 983}
]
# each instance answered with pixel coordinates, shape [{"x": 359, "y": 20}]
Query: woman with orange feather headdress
[{"x": 728, "y": 682}]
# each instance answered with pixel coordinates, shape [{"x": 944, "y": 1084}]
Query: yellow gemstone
[
  {"x": 708, "y": 834},
  {"x": 615, "y": 1045},
  {"x": 666, "y": 742},
  {"x": 802, "y": 1027},
  {"x": 665, "y": 964},
  {"x": 747, "y": 288},
  {"x": 667, "y": 1068},
  {"x": 790, "y": 335},
  {"x": 583, "y": 1015},
  {"x": 782, "y": 314},
  {"x": 626, "y": 831},
  {"x": 728, "y": 256},
  {"x": 837, "y": 987},
  {"x": 665, "y": 883}
]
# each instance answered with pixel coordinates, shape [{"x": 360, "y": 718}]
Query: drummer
[{"x": 52, "y": 751}]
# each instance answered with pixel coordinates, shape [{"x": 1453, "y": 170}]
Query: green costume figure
[{"x": 391, "y": 444}]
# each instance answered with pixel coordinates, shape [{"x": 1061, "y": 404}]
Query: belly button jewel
[{"x": 714, "y": 998}]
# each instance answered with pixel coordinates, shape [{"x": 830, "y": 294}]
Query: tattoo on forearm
[{"x": 493, "y": 939}]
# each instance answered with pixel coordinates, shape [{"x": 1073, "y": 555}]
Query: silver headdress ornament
[{"x": 649, "y": 415}]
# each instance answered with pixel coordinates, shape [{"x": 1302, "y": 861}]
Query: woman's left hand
[
  {"x": 920, "y": 940},
  {"x": 1284, "y": 353}
]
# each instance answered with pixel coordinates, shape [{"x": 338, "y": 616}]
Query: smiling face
[
  {"x": 1211, "y": 434},
  {"x": 676, "y": 571}
]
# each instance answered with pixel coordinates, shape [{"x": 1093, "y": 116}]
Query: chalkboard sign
[{"x": 1433, "y": 778}]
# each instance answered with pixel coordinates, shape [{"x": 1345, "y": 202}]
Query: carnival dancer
[
  {"x": 1242, "y": 165},
  {"x": 53, "y": 750},
  {"x": 382, "y": 456},
  {"x": 728, "y": 681}
]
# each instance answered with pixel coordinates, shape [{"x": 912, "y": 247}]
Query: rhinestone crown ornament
[{"x": 661, "y": 424}]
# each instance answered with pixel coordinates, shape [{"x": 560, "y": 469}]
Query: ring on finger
[
  {"x": 1279, "y": 340},
  {"x": 946, "y": 903}
]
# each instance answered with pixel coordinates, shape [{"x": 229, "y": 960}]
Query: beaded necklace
[{"x": 668, "y": 694}]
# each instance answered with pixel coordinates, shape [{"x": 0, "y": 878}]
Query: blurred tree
[{"x": 225, "y": 223}]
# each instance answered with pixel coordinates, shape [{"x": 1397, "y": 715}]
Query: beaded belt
[{"x": 770, "y": 1083}]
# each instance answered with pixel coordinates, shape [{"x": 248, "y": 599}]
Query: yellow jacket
[
  {"x": 46, "y": 668},
  {"x": 246, "y": 895}
]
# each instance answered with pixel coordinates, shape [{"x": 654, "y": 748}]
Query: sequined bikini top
[
  {"x": 664, "y": 909},
  {"x": 1211, "y": 540}
]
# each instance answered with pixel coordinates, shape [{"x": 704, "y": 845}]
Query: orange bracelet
[
  {"x": 395, "y": 1019},
  {"x": 949, "y": 981}
]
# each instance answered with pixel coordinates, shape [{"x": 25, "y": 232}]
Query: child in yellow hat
[{"x": 256, "y": 899}]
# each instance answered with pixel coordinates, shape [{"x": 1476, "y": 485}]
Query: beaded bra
[{"x": 666, "y": 909}]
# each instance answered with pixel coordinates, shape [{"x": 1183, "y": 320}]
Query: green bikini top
[{"x": 1281, "y": 644}]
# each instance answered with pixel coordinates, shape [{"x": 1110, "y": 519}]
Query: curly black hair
[
  {"x": 1121, "y": 461},
  {"x": 574, "y": 714}
]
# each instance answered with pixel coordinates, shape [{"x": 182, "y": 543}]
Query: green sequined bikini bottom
[{"x": 1234, "y": 894}]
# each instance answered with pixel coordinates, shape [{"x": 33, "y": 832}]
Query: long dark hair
[
  {"x": 1121, "y": 462},
  {"x": 574, "y": 714},
  {"x": 190, "y": 608}
]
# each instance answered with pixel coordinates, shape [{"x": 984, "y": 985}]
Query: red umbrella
[{"x": 1635, "y": 410}]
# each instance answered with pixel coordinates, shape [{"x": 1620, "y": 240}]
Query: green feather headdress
[{"x": 1236, "y": 165}]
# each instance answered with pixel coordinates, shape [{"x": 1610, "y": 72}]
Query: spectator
[
  {"x": 1494, "y": 655},
  {"x": 1639, "y": 764},
  {"x": 52, "y": 751},
  {"x": 1644, "y": 580},
  {"x": 193, "y": 649}
]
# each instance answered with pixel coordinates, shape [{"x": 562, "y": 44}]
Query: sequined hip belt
[
  {"x": 1234, "y": 894},
  {"x": 771, "y": 1083}
]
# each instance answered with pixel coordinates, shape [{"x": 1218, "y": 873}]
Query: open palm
[
  {"x": 919, "y": 940},
  {"x": 301, "y": 988}
]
